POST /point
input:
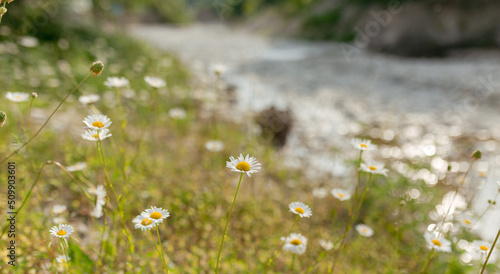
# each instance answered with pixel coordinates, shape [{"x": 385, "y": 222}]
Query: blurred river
[{"x": 433, "y": 111}]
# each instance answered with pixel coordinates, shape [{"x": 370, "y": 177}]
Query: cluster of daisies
[
  {"x": 97, "y": 127},
  {"x": 150, "y": 218},
  {"x": 296, "y": 243},
  {"x": 63, "y": 232}
]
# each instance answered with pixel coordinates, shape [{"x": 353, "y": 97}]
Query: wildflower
[
  {"x": 155, "y": 82},
  {"x": 17, "y": 97},
  {"x": 58, "y": 209},
  {"x": 364, "y": 230},
  {"x": 219, "y": 69},
  {"x": 481, "y": 246},
  {"x": 96, "y": 135},
  {"x": 477, "y": 155},
  {"x": 242, "y": 164},
  {"x": 438, "y": 243},
  {"x": 97, "y": 121},
  {"x": 61, "y": 231},
  {"x": 341, "y": 194},
  {"x": 96, "y": 68},
  {"x": 300, "y": 209},
  {"x": 295, "y": 243},
  {"x": 319, "y": 192},
  {"x": 143, "y": 223},
  {"x": 116, "y": 82},
  {"x": 177, "y": 113},
  {"x": 374, "y": 168},
  {"x": 76, "y": 167},
  {"x": 62, "y": 259},
  {"x": 100, "y": 192},
  {"x": 326, "y": 245},
  {"x": 3, "y": 118},
  {"x": 89, "y": 99},
  {"x": 363, "y": 144},
  {"x": 466, "y": 221},
  {"x": 214, "y": 145},
  {"x": 157, "y": 214},
  {"x": 34, "y": 95}
]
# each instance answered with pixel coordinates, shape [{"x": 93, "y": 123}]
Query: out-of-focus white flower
[
  {"x": 89, "y": 99},
  {"x": 62, "y": 259},
  {"x": 374, "y": 168},
  {"x": 341, "y": 194},
  {"x": 219, "y": 69},
  {"x": 466, "y": 220},
  {"x": 155, "y": 82},
  {"x": 438, "y": 243},
  {"x": 177, "y": 113},
  {"x": 58, "y": 209},
  {"x": 77, "y": 167},
  {"x": 17, "y": 97},
  {"x": 59, "y": 220},
  {"x": 364, "y": 230},
  {"x": 320, "y": 192},
  {"x": 116, "y": 82},
  {"x": 363, "y": 144},
  {"x": 295, "y": 243},
  {"x": 143, "y": 223},
  {"x": 214, "y": 145},
  {"x": 96, "y": 135},
  {"x": 100, "y": 192},
  {"x": 481, "y": 246},
  {"x": 28, "y": 41},
  {"x": 326, "y": 245}
]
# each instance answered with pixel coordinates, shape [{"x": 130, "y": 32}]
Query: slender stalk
[
  {"x": 356, "y": 187},
  {"x": 46, "y": 122},
  {"x": 281, "y": 246},
  {"x": 158, "y": 250},
  {"x": 161, "y": 249},
  {"x": 487, "y": 209},
  {"x": 123, "y": 125},
  {"x": 66, "y": 253},
  {"x": 29, "y": 117},
  {"x": 102, "y": 254},
  {"x": 491, "y": 251},
  {"x": 427, "y": 261},
  {"x": 293, "y": 262},
  {"x": 227, "y": 223}
]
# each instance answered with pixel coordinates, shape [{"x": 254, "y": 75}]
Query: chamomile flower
[
  {"x": 58, "y": 209},
  {"x": 364, "y": 230},
  {"x": 320, "y": 192},
  {"x": 17, "y": 97},
  {"x": 341, "y": 194},
  {"x": 62, "y": 259},
  {"x": 374, "y": 168},
  {"x": 242, "y": 164},
  {"x": 300, "y": 209},
  {"x": 156, "y": 214},
  {"x": 326, "y": 245},
  {"x": 59, "y": 220},
  {"x": 143, "y": 222},
  {"x": 214, "y": 145},
  {"x": 100, "y": 192},
  {"x": 155, "y": 82},
  {"x": 363, "y": 144},
  {"x": 77, "y": 167},
  {"x": 116, "y": 82},
  {"x": 177, "y": 113},
  {"x": 218, "y": 69},
  {"x": 61, "y": 231},
  {"x": 89, "y": 99},
  {"x": 466, "y": 221},
  {"x": 95, "y": 135},
  {"x": 482, "y": 246},
  {"x": 438, "y": 243},
  {"x": 295, "y": 243},
  {"x": 97, "y": 121}
]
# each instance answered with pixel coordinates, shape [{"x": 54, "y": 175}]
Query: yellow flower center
[
  {"x": 299, "y": 210},
  {"x": 482, "y": 247},
  {"x": 147, "y": 221},
  {"x": 467, "y": 222},
  {"x": 243, "y": 166},
  {"x": 98, "y": 124},
  {"x": 436, "y": 242},
  {"x": 63, "y": 260},
  {"x": 155, "y": 215},
  {"x": 295, "y": 242},
  {"x": 363, "y": 145},
  {"x": 96, "y": 135},
  {"x": 372, "y": 168},
  {"x": 340, "y": 195},
  {"x": 364, "y": 230},
  {"x": 18, "y": 97},
  {"x": 61, "y": 233}
]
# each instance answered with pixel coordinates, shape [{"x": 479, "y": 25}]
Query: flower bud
[
  {"x": 34, "y": 95},
  {"x": 3, "y": 118},
  {"x": 96, "y": 68},
  {"x": 477, "y": 155},
  {"x": 3, "y": 11}
]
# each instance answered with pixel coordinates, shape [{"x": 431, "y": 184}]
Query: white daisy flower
[
  {"x": 143, "y": 223},
  {"x": 97, "y": 121},
  {"x": 58, "y": 209},
  {"x": 95, "y": 135},
  {"x": 177, "y": 113},
  {"x": 17, "y": 97},
  {"x": 326, "y": 245},
  {"x": 242, "y": 164},
  {"x": 155, "y": 82},
  {"x": 77, "y": 167},
  {"x": 300, "y": 209},
  {"x": 28, "y": 41},
  {"x": 214, "y": 145},
  {"x": 157, "y": 214},
  {"x": 61, "y": 231},
  {"x": 374, "y": 168},
  {"x": 341, "y": 194},
  {"x": 100, "y": 192},
  {"x": 89, "y": 99},
  {"x": 363, "y": 144},
  {"x": 59, "y": 220},
  {"x": 62, "y": 259},
  {"x": 218, "y": 69},
  {"x": 466, "y": 220},
  {"x": 438, "y": 243},
  {"x": 364, "y": 230},
  {"x": 295, "y": 243},
  {"x": 320, "y": 192},
  {"x": 116, "y": 82},
  {"x": 482, "y": 246}
]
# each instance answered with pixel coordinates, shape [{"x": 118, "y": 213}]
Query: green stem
[
  {"x": 427, "y": 261},
  {"x": 227, "y": 223},
  {"x": 66, "y": 253},
  {"x": 491, "y": 251},
  {"x": 161, "y": 249},
  {"x": 281, "y": 246},
  {"x": 293, "y": 261},
  {"x": 46, "y": 122}
]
